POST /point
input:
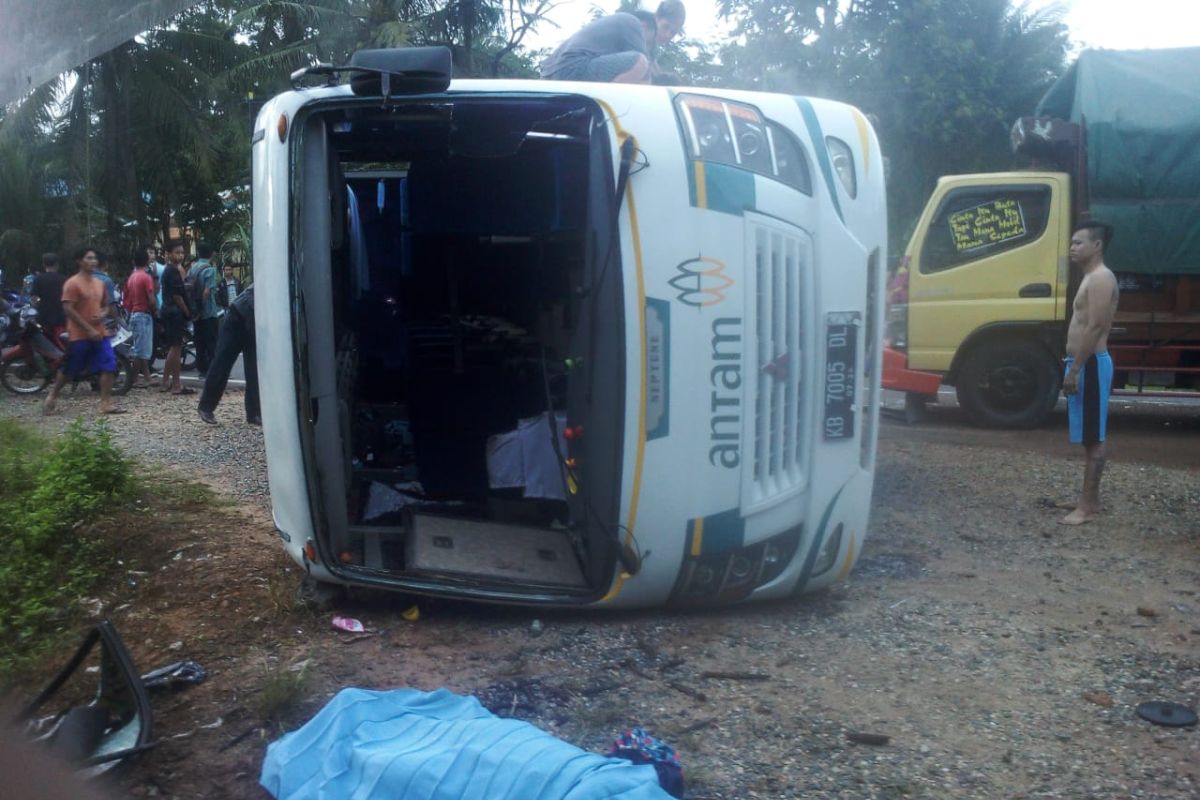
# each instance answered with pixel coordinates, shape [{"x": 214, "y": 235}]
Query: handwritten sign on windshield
[{"x": 987, "y": 224}]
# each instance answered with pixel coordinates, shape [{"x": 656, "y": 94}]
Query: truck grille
[{"x": 782, "y": 268}]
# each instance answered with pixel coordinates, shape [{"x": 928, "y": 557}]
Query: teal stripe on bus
[
  {"x": 822, "y": 152},
  {"x": 719, "y": 533},
  {"x": 728, "y": 189}
]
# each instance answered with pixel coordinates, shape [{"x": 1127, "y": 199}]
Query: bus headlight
[
  {"x": 829, "y": 552},
  {"x": 731, "y": 576},
  {"x": 724, "y": 131},
  {"x": 843, "y": 164}
]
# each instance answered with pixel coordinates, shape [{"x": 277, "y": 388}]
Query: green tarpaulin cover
[{"x": 1142, "y": 109}]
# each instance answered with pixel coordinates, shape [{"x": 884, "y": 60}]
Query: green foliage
[
  {"x": 49, "y": 493},
  {"x": 155, "y": 133},
  {"x": 943, "y": 79},
  {"x": 281, "y": 691}
]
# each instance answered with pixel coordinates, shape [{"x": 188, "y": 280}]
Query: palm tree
[{"x": 150, "y": 133}]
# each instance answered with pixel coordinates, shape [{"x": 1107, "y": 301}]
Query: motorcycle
[
  {"x": 28, "y": 366},
  {"x": 9, "y": 325}
]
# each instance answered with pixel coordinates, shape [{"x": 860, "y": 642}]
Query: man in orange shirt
[{"x": 85, "y": 301}]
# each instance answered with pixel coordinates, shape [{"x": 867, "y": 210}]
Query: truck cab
[
  {"x": 987, "y": 281},
  {"x": 982, "y": 297}
]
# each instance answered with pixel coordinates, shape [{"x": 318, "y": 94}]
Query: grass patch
[
  {"x": 187, "y": 495},
  {"x": 280, "y": 587},
  {"x": 281, "y": 692},
  {"x": 51, "y": 491}
]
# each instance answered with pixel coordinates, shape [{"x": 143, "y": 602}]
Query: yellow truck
[{"x": 981, "y": 299}]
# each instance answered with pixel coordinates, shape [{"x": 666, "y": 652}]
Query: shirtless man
[{"x": 1089, "y": 368}]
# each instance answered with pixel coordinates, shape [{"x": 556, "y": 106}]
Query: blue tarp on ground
[{"x": 406, "y": 744}]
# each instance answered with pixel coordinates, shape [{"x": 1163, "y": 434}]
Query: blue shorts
[
  {"x": 1087, "y": 409},
  {"x": 142, "y": 326},
  {"x": 87, "y": 357}
]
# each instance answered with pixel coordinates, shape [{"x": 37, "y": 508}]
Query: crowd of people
[{"x": 159, "y": 299}]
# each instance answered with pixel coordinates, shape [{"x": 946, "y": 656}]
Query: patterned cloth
[{"x": 638, "y": 746}]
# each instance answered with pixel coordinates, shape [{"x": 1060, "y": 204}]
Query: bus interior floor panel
[{"x": 478, "y": 548}]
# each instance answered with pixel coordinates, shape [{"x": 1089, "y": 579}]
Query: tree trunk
[{"x": 112, "y": 167}]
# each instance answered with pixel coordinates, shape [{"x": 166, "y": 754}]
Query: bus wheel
[{"x": 1008, "y": 384}]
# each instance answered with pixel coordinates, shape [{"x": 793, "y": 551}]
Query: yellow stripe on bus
[
  {"x": 849, "y": 559},
  {"x": 864, "y": 137},
  {"x": 698, "y": 536},
  {"x": 701, "y": 186},
  {"x": 636, "y": 491}
]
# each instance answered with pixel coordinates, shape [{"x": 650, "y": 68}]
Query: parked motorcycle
[
  {"x": 28, "y": 366},
  {"x": 10, "y": 324}
]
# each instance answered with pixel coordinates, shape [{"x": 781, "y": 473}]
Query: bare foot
[
  {"x": 1077, "y": 517},
  {"x": 49, "y": 406}
]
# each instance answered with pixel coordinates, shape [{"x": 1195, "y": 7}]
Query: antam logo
[{"x": 701, "y": 282}]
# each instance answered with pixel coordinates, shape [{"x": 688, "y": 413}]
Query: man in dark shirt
[
  {"x": 228, "y": 289},
  {"x": 47, "y": 296},
  {"x": 175, "y": 314},
  {"x": 618, "y": 48},
  {"x": 236, "y": 338}
]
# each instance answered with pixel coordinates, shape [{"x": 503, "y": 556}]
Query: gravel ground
[
  {"x": 164, "y": 430},
  {"x": 986, "y": 650}
]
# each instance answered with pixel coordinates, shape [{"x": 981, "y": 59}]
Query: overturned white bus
[{"x": 566, "y": 343}]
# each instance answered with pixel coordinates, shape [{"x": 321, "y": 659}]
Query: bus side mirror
[{"x": 401, "y": 71}]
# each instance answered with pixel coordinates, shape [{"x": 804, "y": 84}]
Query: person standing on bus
[
  {"x": 618, "y": 48},
  {"x": 1089, "y": 368}
]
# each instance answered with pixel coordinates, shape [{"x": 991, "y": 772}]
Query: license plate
[{"x": 841, "y": 348}]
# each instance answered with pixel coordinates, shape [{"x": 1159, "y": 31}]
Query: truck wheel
[{"x": 1011, "y": 384}]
